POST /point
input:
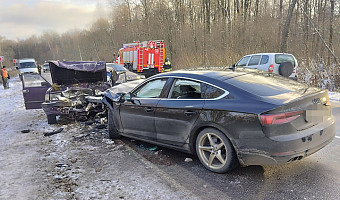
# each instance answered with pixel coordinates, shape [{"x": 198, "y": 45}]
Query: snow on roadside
[{"x": 334, "y": 96}]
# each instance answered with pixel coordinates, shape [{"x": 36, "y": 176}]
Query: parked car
[
  {"x": 75, "y": 91},
  {"x": 227, "y": 118},
  {"x": 45, "y": 67},
  {"x": 117, "y": 74},
  {"x": 279, "y": 63}
]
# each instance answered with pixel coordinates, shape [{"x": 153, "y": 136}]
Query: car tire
[
  {"x": 113, "y": 132},
  {"x": 286, "y": 69},
  {"x": 215, "y": 151},
  {"x": 51, "y": 119}
]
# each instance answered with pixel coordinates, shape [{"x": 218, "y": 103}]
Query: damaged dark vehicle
[
  {"x": 76, "y": 90},
  {"x": 227, "y": 118}
]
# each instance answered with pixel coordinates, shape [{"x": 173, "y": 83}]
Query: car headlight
[{"x": 52, "y": 96}]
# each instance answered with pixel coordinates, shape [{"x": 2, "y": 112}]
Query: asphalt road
[{"x": 314, "y": 177}]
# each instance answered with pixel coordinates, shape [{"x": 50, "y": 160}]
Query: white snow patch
[{"x": 334, "y": 96}]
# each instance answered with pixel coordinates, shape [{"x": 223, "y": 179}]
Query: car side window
[
  {"x": 211, "y": 92},
  {"x": 186, "y": 89},
  {"x": 264, "y": 59},
  {"x": 254, "y": 60},
  {"x": 32, "y": 80},
  {"x": 243, "y": 61},
  {"x": 151, "y": 89}
]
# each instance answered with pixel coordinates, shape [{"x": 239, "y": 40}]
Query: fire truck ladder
[
  {"x": 161, "y": 55},
  {"x": 140, "y": 59}
]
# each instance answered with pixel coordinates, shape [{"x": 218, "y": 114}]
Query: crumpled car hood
[{"x": 65, "y": 72}]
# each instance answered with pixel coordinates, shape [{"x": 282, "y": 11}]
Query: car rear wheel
[
  {"x": 51, "y": 119},
  {"x": 215, "y": 151},
  {"x": 113, "y": 132},
  {"x": 286, "y": 69}
]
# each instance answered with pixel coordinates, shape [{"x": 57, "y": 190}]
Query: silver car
[{"x": 278, "y": 63}]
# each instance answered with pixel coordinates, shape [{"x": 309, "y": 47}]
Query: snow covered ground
[{"x": 78, "y": 163}]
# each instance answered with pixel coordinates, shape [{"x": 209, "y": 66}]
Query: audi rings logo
[{"x": 316, "y": 101}]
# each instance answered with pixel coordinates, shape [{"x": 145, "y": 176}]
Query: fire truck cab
[{"x": 145, "y": 57}]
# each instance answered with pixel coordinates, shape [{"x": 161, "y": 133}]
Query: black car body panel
[{"x": 240, "y": 113}]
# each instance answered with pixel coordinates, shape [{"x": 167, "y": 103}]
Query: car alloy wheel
[{"x": 215, "y": 151}]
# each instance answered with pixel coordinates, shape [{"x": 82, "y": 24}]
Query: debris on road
[
  {"x": 146, "y": 146},
  {"x": 188, "y": 160},
  {"x": 25, "y": 131},
  {"x": 53, "y": 132}
]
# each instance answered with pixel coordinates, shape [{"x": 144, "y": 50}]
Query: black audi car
[{"x": 227, "y": 118}]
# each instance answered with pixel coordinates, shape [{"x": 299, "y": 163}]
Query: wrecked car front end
[{"x": 76, "y": 90}]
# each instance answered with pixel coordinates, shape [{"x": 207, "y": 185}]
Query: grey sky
[{"x": 21, "y": 19}]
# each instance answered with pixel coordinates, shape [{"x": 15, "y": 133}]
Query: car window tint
[
  {"x": 264, "y": 59},
  {"x": 151, "y": 89},
  {"x": 281, "y": 58},
  {"x": 211, "y": 92},
  {"x": 243, "y": 61},
  {"x": 32, "y": 80},
  {"x": 254, "y": 60},
  {"x": 186, "y": 89}
]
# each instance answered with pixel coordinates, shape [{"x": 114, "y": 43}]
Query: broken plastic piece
[
  {"x": 148, "y": 147},
  {"x": 53, "y": 132}
]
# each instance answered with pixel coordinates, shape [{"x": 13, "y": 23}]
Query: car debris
[
  {"x": 25, "y": 131},
  {"x": 188, "y": 160},
  {"x": 53, "y": 132},
  {"x": 76, "y": 90}
]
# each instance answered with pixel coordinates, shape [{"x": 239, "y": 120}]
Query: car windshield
[
  {"x": 117, "y": 67},
  {"x": 28, "y": 65},
  {"x": 281, "y": 58}
]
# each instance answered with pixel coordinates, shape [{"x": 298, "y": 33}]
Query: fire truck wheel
[{"x": 113, "y": 132}]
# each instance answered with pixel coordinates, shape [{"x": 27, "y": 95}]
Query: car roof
[
  {"x": 266, "y": 54},
  {"x": 222, "y": 75}
]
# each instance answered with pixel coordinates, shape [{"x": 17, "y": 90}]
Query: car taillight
[
  {"x": 297, "y": 68},
  {"x": 271, "y": 68},
  {"x": 280, "y": 118}
]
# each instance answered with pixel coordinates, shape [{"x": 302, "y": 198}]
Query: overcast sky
[{"x": 20, "y": 19}]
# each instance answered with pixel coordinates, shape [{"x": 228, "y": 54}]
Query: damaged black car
[{"x": 226, "y": 118}]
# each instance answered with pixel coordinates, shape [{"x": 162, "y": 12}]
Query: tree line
[{"x": 201, "y": 33}]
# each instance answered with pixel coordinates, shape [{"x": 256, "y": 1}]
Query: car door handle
[
  {"x": 189, "y": 113},
  {"x": 148, "y": 109}
]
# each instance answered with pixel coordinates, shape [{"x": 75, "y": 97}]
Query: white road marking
[{"x": 337, "y": 137}]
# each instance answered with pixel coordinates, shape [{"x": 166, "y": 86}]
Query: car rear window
[
  {"x": 264, "y": 59},
  {"x": 281, "y": 58},
  {"x": 262, "y": 85}
]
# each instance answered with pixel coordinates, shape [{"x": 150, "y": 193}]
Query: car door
[
  {"x": 137, "y": 113},
  {"x": 177, "y": 114},
  {"x": 34, "y": 88}
]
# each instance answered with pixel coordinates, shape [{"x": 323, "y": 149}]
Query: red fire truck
[{"x": 143, "y": 57}]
